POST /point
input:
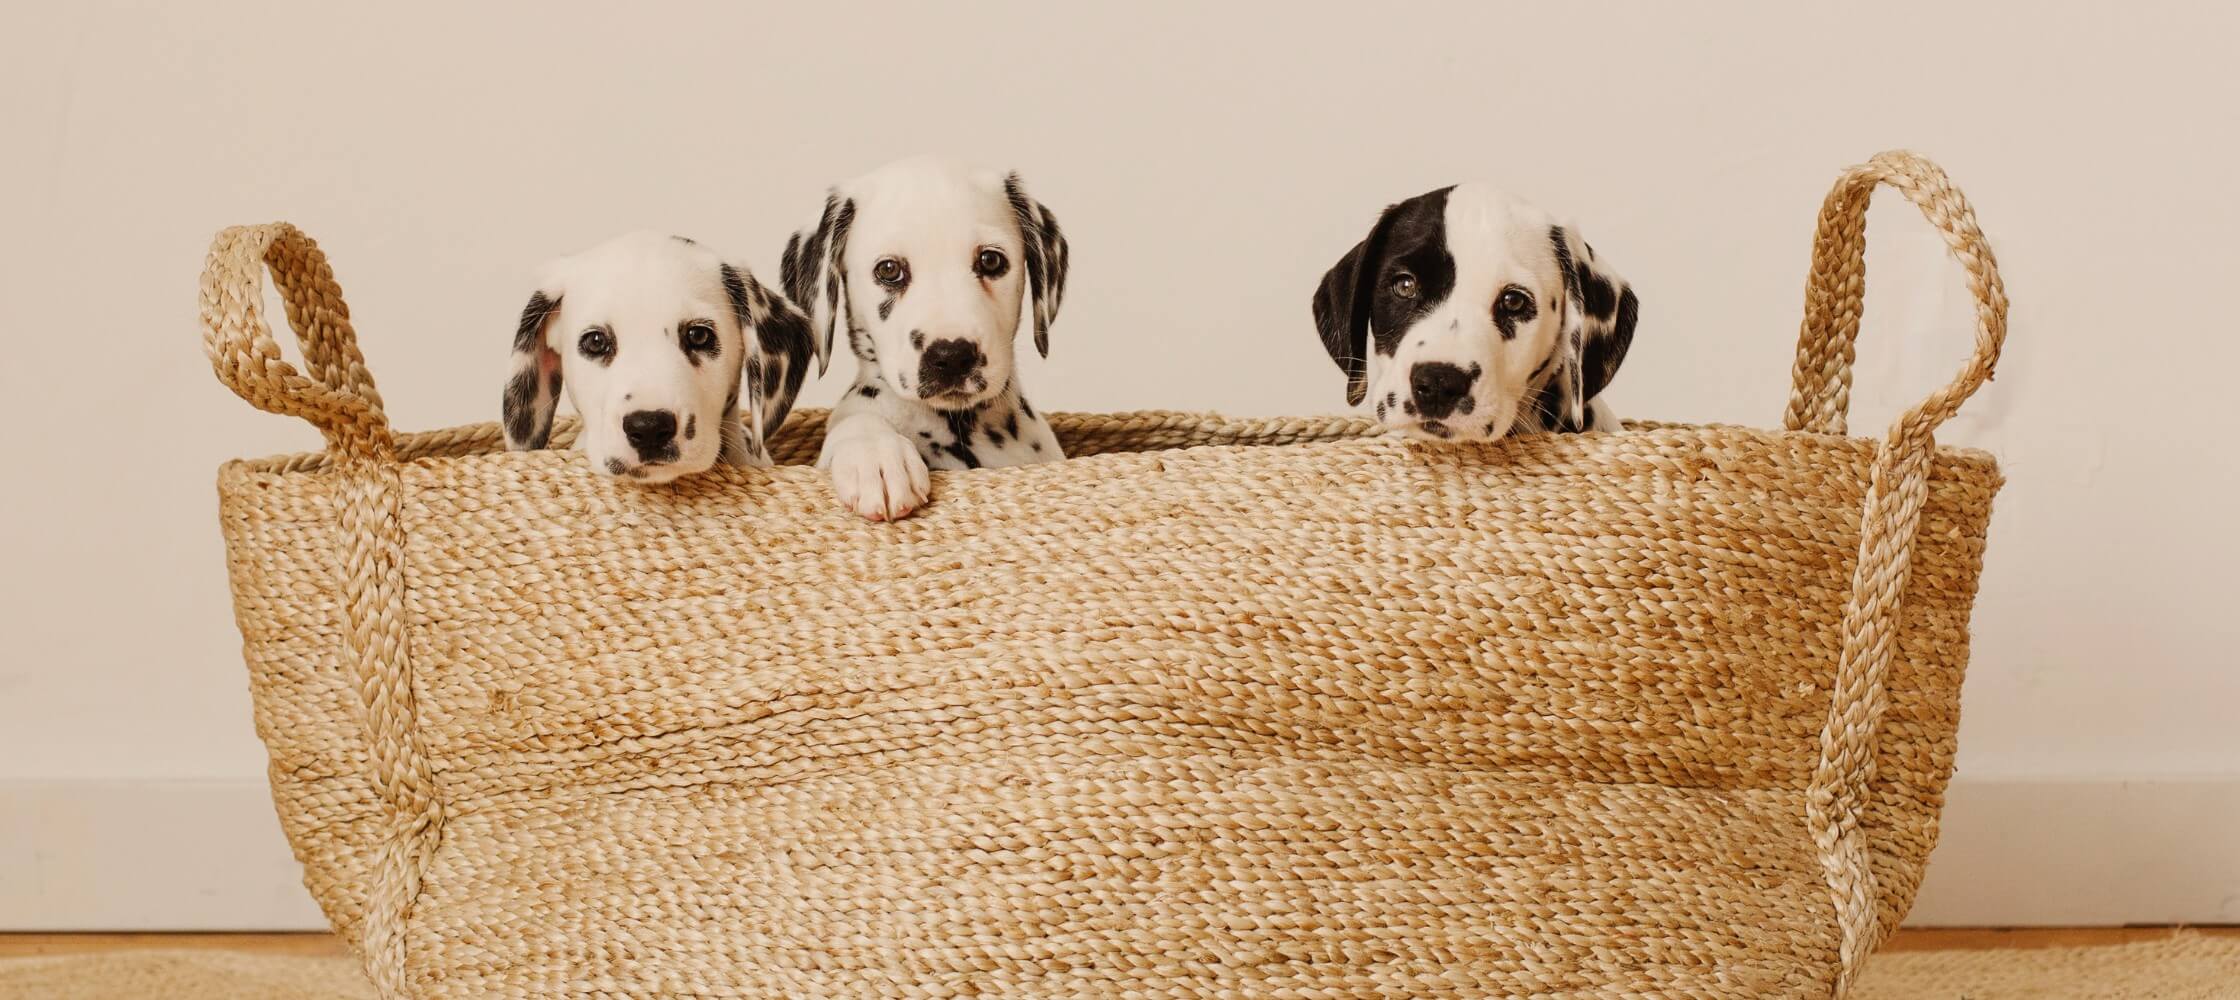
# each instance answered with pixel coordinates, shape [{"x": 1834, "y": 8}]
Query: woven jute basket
[{"x": 1271, "y": 708}]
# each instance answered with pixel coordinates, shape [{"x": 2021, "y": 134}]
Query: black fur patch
[
  {"x": 961, "y": 424},
  {"x": 524, "y": 425},
  {"x": 1011, "y": 423},
  {"x": 784, "y": 337},
  {"x": 529, "y": 336},
  {"x": 886, "y": 305},
  {"x": 1025, "y": 408},
  {"x": 691, "y": 426},
  {"x": 868, "y": 391},
  {"x": 616, "y": 465},
  {"x": 1355, "y": 306}
]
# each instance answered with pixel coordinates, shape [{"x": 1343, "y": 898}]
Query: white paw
[{"x": 879, "y": 476}]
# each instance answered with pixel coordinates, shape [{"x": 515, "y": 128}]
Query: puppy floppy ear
[
  {"x": 1341, "y": 309},
  {"x": 533, "y": 390},
  {"x": 777, "y": 340},
  {"x": 1599, "y": 312},
  {"x": 1047, "y": 258},
  {"x": 813, "y": 271}
]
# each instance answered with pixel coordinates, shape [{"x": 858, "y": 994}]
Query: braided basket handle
[
  {"x": 338, "y": 397},
  {"x": 1898, "y": 486},
  {"x": 1820, "y": 394}
]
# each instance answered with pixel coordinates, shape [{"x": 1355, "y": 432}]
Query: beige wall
[{"x": 1208, "y": 162}]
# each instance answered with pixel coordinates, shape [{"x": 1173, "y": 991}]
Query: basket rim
[{"x": 1336, "y": 434}]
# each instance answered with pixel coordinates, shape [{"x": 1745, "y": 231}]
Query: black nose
[
  {"x": 946, "y": 364},
  {"x": 649, "y": 430},
  {"x": 1440, "y": 388}
]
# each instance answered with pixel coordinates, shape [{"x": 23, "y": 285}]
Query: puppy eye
[
  {"x": 1404, "y": 285},
  {"x": 699, "y": 337},
  {"x": 991, "y": 263},
  {"x": 595, "y": 343},
  {"x": 890, "y": 272},
  {"x": 1512, "y": 301}
]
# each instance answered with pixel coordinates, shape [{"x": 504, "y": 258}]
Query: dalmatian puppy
[
  {"x": 932, "y": 267},
  {"x": 1467, "y": 314},
  {"x": 655, "y": 338}
]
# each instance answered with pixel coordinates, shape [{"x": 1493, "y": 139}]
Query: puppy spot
[
  {"x": 1600, "y": 295},
  {"x": 691, "y": 426},
  {"x": 1381, "y": 408},
  {"x": 520, "y": 408},
  {"x": 1026, "y": 409},
  {"x": 928, "y": 435},
  {"x": 868, "y": 392},
  {"x": 886, "y": 305},
  {"x": 917, "y": 340},
  {"x": 961, "y": 425},
  {"x": 1037, "y": 446},
  {"x": 616, "y": 466},
  {"x": 1011, "y": 424},
  {"x": 1408, "y": 407},
  {"x": 995, "y": 437},
  {"x": 1437, "y": 429}
]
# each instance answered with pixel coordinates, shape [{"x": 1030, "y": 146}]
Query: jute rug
[{"x": 2187, "y": 967}]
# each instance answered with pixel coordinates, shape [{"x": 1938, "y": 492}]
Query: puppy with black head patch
[
  {"x": 656, "y": 338},
  {"x": 932, "y": 267},
  {"x": 1467, "y": 314}
]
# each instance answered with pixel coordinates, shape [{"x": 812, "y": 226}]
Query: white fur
[{"x": 644, "y": 291}]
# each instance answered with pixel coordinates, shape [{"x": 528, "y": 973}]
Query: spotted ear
[
  {"x": 1599, "y": 313},
  {"x": 814, "y": 273},
  {"x": 533, "y": 389},
  {"x": 779, "y": 347},
  {"x": 1047, "y": 258},
  {"x": 1341, "y": 308}
]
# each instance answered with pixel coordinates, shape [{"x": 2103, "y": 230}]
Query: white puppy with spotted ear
[
  {"x": 656, "y": 338},
  {"x": 1468, "y": 314},
  {"x": 931, "y": 267}
]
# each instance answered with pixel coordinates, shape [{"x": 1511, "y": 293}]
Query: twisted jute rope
[
  {"x": 1898, "y": 486},
  {"x": 339, "y": 398}
]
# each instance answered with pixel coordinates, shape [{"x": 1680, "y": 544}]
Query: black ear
[
  {"x": 1341, "y": 308},
  {"x": 533, "y": 389},
  {"x": 1600, "y": 311},
  {"x": 783, "y": 345},
  {"x": 1047, "y": 259},
  {"x": 814, "y": 273}
]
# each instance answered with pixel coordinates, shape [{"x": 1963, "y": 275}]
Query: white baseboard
[{"x": 208, "y": 856}]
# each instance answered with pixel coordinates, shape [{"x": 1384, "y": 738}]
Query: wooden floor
[{"x": 16, "y": 945}]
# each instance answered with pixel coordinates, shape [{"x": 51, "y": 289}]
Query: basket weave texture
[{"x": 1268, "y": 708}]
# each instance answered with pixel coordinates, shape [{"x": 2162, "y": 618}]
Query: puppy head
[
  {"x": 650, "y": 335},
  {"x": 931, "y": 267},
  {"x": 1467, "y": 314}
]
